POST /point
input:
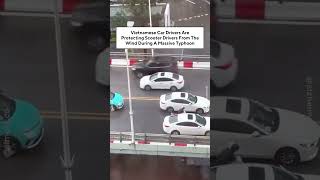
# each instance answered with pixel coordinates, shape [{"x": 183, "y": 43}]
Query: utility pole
[
  {"x": 66, "y": 161},
  {"x": 130, "y": 24},
  {"x": 150, "y": 22}
]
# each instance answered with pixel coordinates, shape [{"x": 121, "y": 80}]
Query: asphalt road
[
  {"x": 275, "y": 61},
  {"x": 148, "y": 116}
]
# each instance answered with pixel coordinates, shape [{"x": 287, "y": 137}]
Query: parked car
[
  {"x": 116, "y": 101},
  {"x": 255, "y": 171},
  {"x": 264, "y": 132},
  {"x": 21, "y": 126},
  {"x": 151, "y": 66},
  {"x": 191, "y": 103},
  {"x": 162, "y": 80},
  {"x": 102, "y": 68},
  {"x": 91, "y": 19},
  {"x": 225, "y": 64},
  {"x": 187, "y": 124}
]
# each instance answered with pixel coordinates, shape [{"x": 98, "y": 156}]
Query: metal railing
[
  {"x": 161, "y": 138},
  {"x": 161, "y": 54}
]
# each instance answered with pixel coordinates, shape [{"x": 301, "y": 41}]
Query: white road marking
[
  {"x": 279, "y": 22},
  {"x": 191, "y": 2}
]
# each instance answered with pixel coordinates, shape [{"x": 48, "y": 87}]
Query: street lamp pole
[
  {"x": 150, "y": 22},
  {"x": 130, "y": 24},
  {"x": 66, "y": 161}
]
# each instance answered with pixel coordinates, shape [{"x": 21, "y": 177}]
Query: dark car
[
  {"x": 151, "y": 66},
  {"x": 92, "y": 21}
]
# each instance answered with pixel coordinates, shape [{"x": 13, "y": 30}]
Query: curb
[
  {"x": 185, "y": 64},
  {"x": 268, "y": 10}
]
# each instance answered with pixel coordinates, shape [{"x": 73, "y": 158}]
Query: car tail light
[
  {"x": 180, "y": 82},
  {"x": 166, "y": 125},
  {"x": 225, "y": 66},
  {"x": 162, "y": 102}
]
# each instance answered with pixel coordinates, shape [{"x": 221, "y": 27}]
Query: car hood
[
  {"x": 202, "y": 102},
  {"x": 117, "y": 99},
  {"x": 25, "y": 117},
  {"x": 297, "y": 126}
]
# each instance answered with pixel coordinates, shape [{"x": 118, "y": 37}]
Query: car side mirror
[{"x": 256, "y": 134}]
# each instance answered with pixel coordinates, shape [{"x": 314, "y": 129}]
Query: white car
[
  {"x": 177, "y": 100},
  {"x": 264, "y": 132},
  {"x": 162, "y": 80},
  {"x": 225, "y": 64},
  {"x": 187, "y": 124},
  {"x": 254, "y": 171}
]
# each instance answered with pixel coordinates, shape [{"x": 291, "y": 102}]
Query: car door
[
  {"x": 187, "y": 105},
  {"x": 188, "y": 128},
  {"x": 152, "y": 68},
  {"x": 175, "y": 103},
  {"x": 157, "y": 83},
  {"x": 167, "y": 83},
  {"x": 225, "y": 131}
]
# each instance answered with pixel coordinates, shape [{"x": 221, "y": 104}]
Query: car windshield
[
  {"x": 264, "y": 117},
  {"x": 173, "y": 119},
  {"x": 192, "y": 98},
  {"x": 280, "y": 174},
  {"x": 7, "y": 107},
  {"x": 111, "y": 95},
  {"x": 201, "y": 120},
  {"x": 153, "y": 76}
]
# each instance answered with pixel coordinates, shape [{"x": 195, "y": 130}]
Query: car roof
[
  {"x": 230, "y": 107},
  {"x": 182, "y": 117},
  {"x": 241, "y": 171},
  {"x": 165, "y": 74},
  {"x": 180, "y": 95}
]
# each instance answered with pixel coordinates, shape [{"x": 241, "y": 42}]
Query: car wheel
[
  {"x": 139, "y": 74},
  {"x": 199, "y": 111},
  {"x": 170, "y": 109},
  {"x": 173, "y": 88},
  {"x": 287, "y": 156},
  {"x": 11, "y": 149},
  {"x": 147, "y": 88},
  {"x": 207, "y": 133},
  {"x": 175, "y": 132},
  {"x": 96, "y": 42}
]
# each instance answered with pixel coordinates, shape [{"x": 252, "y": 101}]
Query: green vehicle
[{"x": 21, "y": 126}]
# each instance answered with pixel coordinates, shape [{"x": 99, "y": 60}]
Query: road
[
  {"x": 275, "y": 61},
  {"x": 148, "y": 116}
]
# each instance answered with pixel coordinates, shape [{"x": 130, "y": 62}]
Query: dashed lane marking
[{"x": 192, "y": 17}]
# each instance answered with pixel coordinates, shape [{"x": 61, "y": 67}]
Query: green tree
[
  {"x": 139, "y": 9},
  {"x": 119, "y": 20}
]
